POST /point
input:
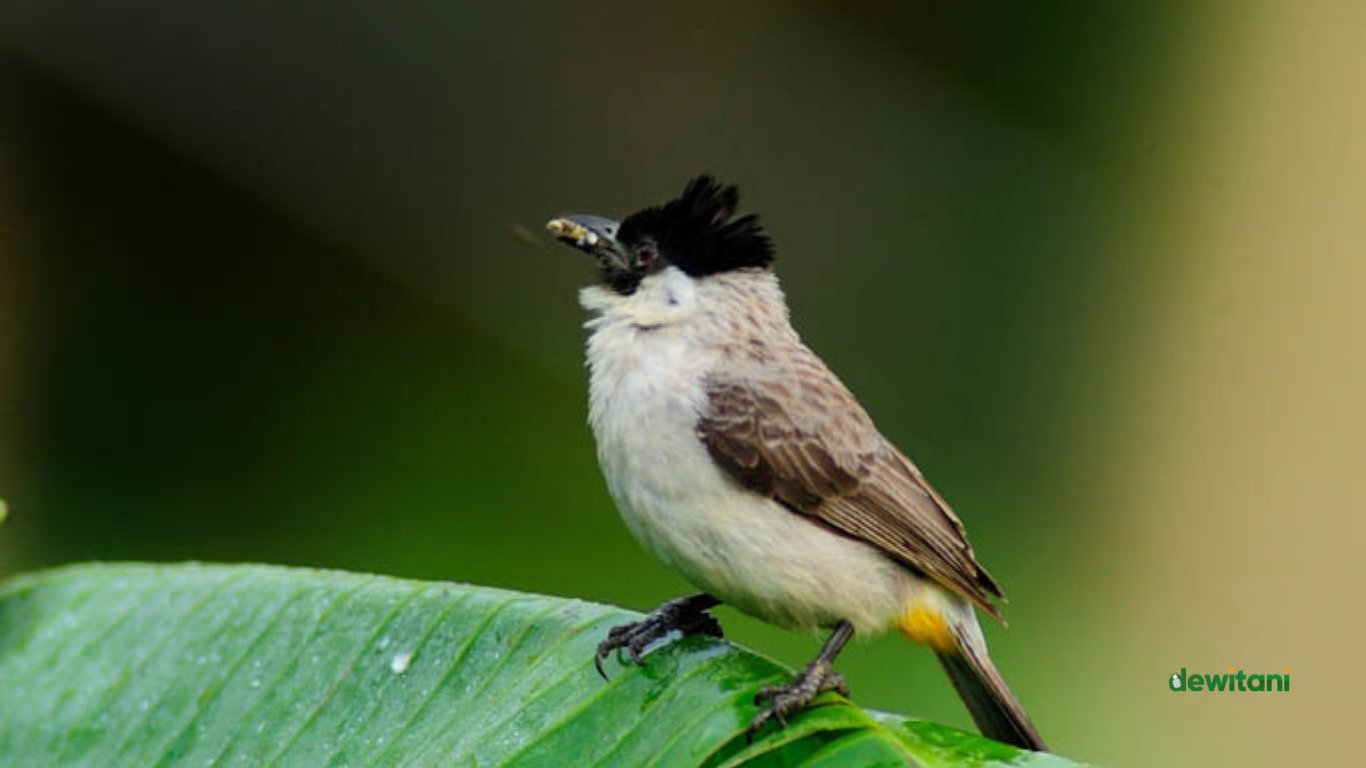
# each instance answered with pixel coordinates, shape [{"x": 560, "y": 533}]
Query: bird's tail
[{"x": 963, "y": 652}]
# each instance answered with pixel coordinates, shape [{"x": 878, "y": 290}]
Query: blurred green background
[{"x": 273, "y": 287}]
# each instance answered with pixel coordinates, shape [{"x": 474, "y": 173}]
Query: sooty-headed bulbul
[{"x": 740, "y": 460}]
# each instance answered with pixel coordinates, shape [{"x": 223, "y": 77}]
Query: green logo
[{"x": 1235, "y": 680}]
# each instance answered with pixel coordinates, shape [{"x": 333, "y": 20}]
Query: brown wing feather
[{"x": 797, "y": 435}]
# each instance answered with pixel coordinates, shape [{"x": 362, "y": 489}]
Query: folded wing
[{"x": 795, "y": 434}]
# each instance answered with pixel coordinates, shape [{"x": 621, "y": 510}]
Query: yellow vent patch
[{"x": 927, "y": 627}]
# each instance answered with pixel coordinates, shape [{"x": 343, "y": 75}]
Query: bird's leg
[
  {"x": 817, "y": 678},
  {"x": 687, "y": 615}
]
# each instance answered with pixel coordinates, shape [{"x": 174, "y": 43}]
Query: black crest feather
[{"x": 698, "y": 231}]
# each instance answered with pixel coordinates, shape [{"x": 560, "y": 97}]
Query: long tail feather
[{"x": 994, "y": 708}]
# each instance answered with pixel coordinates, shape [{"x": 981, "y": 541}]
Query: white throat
[{"x": 648, "y": 356}]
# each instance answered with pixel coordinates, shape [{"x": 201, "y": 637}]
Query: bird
[{"x": 739, "y": 459}]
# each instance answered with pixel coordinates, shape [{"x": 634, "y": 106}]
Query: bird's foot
[
  {"x": 681, "y": 615},
  {"x": 784, "y": 700}
]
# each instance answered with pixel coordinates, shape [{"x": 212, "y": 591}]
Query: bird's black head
[{"x": 697, "y": 232}]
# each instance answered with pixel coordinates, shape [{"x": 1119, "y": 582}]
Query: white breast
[{"x": 646, "y": 396}]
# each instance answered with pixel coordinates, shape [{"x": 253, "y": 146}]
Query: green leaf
[{"x": 192, "y": 665}]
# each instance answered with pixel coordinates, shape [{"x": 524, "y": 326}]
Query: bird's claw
[
  {"x": 785, "y": 700},
  {"x": 632, "y": 639}
]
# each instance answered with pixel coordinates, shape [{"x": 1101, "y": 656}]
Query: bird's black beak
[{"x": 592, "y": 234}]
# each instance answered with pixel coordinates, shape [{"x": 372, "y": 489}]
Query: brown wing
[{"x": 796, "y": 434}]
